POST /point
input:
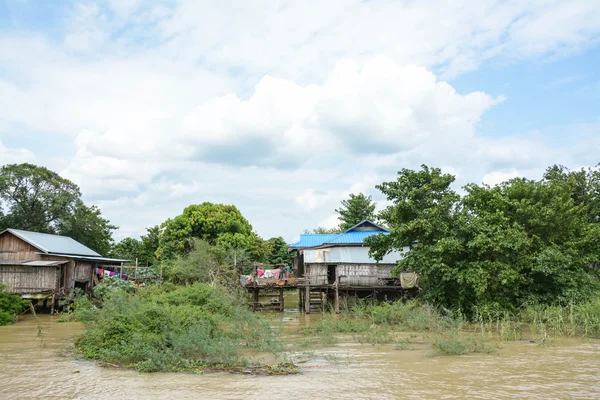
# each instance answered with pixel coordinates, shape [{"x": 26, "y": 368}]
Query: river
[{"x": 41, "y": 367}]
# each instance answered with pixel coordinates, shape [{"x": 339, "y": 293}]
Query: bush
[
  {"x": 177, "y": 329},
  {"x": 10, "y": 305}
]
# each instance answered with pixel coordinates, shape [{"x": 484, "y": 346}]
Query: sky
[{"x": 284, "y": 108}]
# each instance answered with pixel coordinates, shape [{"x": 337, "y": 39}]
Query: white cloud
[
  {"x": 280, "y": 108},
  {"x": 496, "y": 177},
  {"x": 11, "y": 155}
]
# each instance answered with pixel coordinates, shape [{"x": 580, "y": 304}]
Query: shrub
[
  {"x": 10, "y": 305},
  {"x": 178, "y": 329}
]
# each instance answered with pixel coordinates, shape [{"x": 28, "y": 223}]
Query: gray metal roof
[
  {"x": 54, "y": 243},
  {"x": 33, "y": 263},
  {"x": 87, "y": 258},
  {"x": 43, "y": 263}
]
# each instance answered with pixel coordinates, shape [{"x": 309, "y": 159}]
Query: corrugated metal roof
[
  {"x": 88, "y": 258},
  {"x": 354, "y": 237},
  {"x": 43, "y": 263},
  {"x": 54, "y": 243},
  {"x": 312, "y": 240}
]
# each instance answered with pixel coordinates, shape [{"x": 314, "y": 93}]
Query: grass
[
  {"x": 450, "y": 332},
  {"x": 191, "y": 328}
]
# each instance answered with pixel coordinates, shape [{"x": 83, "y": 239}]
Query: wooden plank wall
[
  {"x": 13, "y": 248},
  {"x": 83, "y": 271},
  {"x": 352, "y": 274},
  {"x": 24, "y": 279}
]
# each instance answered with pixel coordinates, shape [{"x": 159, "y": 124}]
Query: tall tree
[
  {"x": 214, "y": 223},
  {"x": 149, "y": 245},
  {"x": 35, "y": 198},
  {"x": 354, "y": 210},
  {"x": 500, "y": 246},
  {"x": 87, "y": 226},
  {"x": 128, "y": 249},
  {"x": 278, "y": 251}
]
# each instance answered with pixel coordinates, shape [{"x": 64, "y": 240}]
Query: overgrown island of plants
[{"x": 515, "y": 261}]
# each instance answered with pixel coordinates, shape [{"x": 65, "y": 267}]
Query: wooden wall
[
  {"x": 25, "y": 279},
  {"x": 83, "y": 271},
  {"x": 351, "y": 274},
  {"x": 13, "y": 248}
]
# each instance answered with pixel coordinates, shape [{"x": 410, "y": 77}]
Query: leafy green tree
[
  {"x": 354, "y": 210},
  {"x": 214, "y": 223},
  {"x": 278, "y": 251},
  {"x": 202, "y": 263},
  {"x": 87, "y": 226},
  {"x": 128, "y": 249},
  {"x": 505, "y": 245},
  {"x": 35, "y": 198},
  {"x": 149, "y": 245}
]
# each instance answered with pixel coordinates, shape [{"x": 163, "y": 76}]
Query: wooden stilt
[
  {"x": 52, "y": 304},
  {"x": 255, "y": 299},
  {"x": 307, "y": 300},
  {"x": 300, "y": 303},
  {"x": 373, "y": 298},
  {"x": 337, "y": 299},
  {"x": 281, "y": 300}
]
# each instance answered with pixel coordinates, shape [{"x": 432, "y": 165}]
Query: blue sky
[{"x": 284, "y": 108}]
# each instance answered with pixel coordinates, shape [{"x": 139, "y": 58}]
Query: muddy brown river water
[{"x": 33, "y": 367}]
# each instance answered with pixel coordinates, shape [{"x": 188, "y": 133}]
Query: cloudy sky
[{"x": 283, "y": 108}]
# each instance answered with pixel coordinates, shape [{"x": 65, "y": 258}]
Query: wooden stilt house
[{"x": 48, "y": 267}]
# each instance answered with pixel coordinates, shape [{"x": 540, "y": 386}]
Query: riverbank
[{"x": 566, "y": 368}]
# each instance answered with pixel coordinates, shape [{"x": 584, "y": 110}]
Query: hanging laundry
[
  {"x": 260, "y": 272},
  {"x": 99, "y": 271},
  {"x": 275, "y": 273},
  {"x": 268, "y": 273}
]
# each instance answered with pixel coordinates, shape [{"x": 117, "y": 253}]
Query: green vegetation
[
  {"x": 37, "y": 199},
  {"x": 10, "y": 305},
  {"x": 354, "y": 210},
  {"x": 521, "y": 242},
  {"x": 450, "y": 332},
  {"x": 169, "y": 328}
]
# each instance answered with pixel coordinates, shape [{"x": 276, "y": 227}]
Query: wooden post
[
  {"x": 373, "y": 298},
  {"x": 254, "y": 299},
  {"x": 337, "y": 298},
  {"x": 52, "y": 305},
  {"x": 307, "y": 300},
  {"x": 300, "y": 302},
  {"x": 281, "y": 300}
]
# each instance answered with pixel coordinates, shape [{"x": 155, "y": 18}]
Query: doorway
[{"x": 331, "y": 274}]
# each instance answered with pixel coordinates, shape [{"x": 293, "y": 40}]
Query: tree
[
  {"x": 149, "y": 245},
  {"x": 500, "y": 246},
  {"x": 354, "y": 210},
  {"x": 87, "y": 226},
  {"x": 278, "y": 251},
  {"x": 35, "y": 198},
  {"x": 128, "y": 249},
  {"x": 202, "y": 263},
  {"x": 213, "y": 223}
]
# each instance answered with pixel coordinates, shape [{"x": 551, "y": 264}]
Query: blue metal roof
[
  {"x": 354, "y": 237},
  {"x": 312, "y": 240},
  {"x": 53, "y": 243}
]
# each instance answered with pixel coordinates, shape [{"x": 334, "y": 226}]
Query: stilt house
[
  {"x": 343, "y": 258},
  {"x": 45, "y": 266}
]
